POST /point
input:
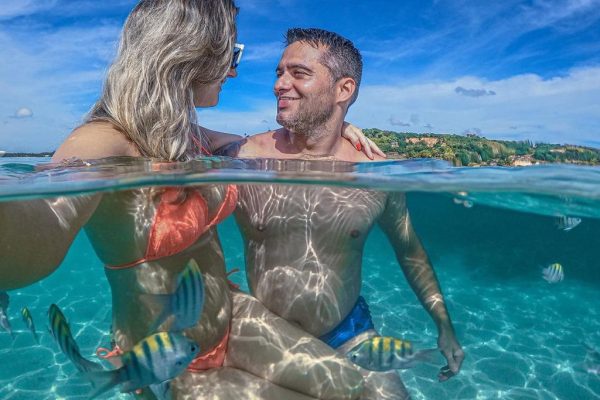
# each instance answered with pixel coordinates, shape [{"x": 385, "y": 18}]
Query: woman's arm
[
  {"x": 217, "y": 140},
  {"x": 36, "y": 235}
]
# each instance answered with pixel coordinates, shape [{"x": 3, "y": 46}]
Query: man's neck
[{"x": 323, "y": 141}]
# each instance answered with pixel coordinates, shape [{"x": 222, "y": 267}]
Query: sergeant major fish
[
  {"x": 151, "y": 362},
  {"x": 553, "y": 273},
  {"x": 565, "y": 223},
  {"x": 185, "y": 304},
  {"x": 4, "y": 321},
  {"x": 28, "y": 320},
  {"x": 59, "y": 328},
  {"x": 382, "y": 353}
]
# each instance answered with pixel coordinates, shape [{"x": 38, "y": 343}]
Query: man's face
[{"x": 304, "y": 89}]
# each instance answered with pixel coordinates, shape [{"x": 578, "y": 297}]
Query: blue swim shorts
[{"x": 355, "y": 323}]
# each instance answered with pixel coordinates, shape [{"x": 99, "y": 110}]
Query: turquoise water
[{"x": 523, "y": 338}]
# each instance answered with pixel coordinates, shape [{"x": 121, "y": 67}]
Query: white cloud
[
  {"x": 395, "y": 122},
  {"x": 268, "y": 8},
  {"x": 574, "y": 14},
  {"x": 266, "y": 52},
  {"x": 473, "y": 92},
  {"x": 23, "y": 112},
  {"x": 18, "y": 8},
  {"x": 563, "y": 109}
]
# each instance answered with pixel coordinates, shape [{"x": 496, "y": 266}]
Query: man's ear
[{"x": 345, "y": 89}]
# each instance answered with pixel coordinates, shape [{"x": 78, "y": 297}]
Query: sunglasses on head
[{"x": 238, "y": 49}]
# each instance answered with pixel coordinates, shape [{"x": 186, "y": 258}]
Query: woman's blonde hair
[{"x": 166, "y": 47}]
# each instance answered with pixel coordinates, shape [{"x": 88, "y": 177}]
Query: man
[{"x": 304, "y": 245}]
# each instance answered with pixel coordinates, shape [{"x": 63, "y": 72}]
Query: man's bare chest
[{"x": 265, "y": 210}]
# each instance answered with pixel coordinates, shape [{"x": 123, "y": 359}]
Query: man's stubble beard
[{"x": 310, "y": 118}]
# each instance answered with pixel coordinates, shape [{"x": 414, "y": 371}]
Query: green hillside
[{"x": 476, "y": 150}]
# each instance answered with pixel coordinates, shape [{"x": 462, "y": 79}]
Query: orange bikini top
[{"x": 178, "y": 224}]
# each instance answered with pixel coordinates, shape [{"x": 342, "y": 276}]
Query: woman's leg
[{"x": 267, "y": 346}]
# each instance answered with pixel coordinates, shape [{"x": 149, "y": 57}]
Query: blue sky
[{"x": 507, "y": 69}]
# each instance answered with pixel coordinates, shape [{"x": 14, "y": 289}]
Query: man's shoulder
[
  {"x": 261, "y": 139},
  {"x": 260, "y": 145},
  {"x": 257, "y": 145}
]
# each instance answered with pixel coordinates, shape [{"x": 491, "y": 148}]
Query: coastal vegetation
[
  {"x": 469, "y": 150},
  {"x": 474, "y": 150}
]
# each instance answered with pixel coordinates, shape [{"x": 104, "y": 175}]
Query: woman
[{"x": 174, "y": 55}]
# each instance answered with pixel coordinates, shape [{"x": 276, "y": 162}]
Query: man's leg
[
  {"x": 384, "y": 386},
  {"x": 267, "y": 346},
  {"x": 229, "y": 384}
]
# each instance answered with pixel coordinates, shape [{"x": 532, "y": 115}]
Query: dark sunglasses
[{"x": 238, "y": 49}]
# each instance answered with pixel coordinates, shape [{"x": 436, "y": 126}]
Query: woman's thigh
[{"x": 267, "y": 346}]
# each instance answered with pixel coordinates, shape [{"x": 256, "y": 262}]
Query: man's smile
[{"x": 285, "y": 101}]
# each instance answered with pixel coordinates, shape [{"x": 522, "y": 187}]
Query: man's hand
[
  {"x": 358, "y": 139},
  {"x": 453, "y": 353}
]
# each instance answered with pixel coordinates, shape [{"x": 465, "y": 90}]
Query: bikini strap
[{"x": 200, "y": 147}]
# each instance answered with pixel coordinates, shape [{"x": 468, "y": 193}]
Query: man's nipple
[{"x": 355, "y": 233}]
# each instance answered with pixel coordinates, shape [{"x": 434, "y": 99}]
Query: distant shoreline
[
  {"x": 44, "y": 154},
  {"x": 470, "y": 150}
]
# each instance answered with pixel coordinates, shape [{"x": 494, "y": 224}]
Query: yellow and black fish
[
  {"x": 28, "y": 320},
  {"x": 382, "y": 353},
  {"x": 553, "y": 273},
  {"x": 59, "y": 328},
  {"x": 151, "y": 362},
  {"x": 185, "y": 304}
]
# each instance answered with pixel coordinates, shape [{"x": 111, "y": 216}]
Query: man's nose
[{"x": 281, "y": 84}]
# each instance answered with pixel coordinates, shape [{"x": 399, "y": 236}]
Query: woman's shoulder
[{"x": 95, "y": 140}]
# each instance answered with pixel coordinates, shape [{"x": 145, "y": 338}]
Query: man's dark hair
[{"x": 341, "y": 58}]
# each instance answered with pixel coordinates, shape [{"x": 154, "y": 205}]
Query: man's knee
[{"x": 384, "y": 386}]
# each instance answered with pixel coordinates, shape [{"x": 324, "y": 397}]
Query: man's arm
[{"x": 419, "y": 273}]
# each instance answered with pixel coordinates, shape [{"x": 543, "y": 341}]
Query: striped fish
[
  {"x": 4, "y": 322},
  {"x": 28, "y": 320},
  {"x": 565, "y": 223},
  {"x": 151, "y": 362},
  {"x": 185, "y": 304},
  {"x": 59, "y": 328},
  {"x": 382, "y": 353},
  {"x": 553, "y": 273}
]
